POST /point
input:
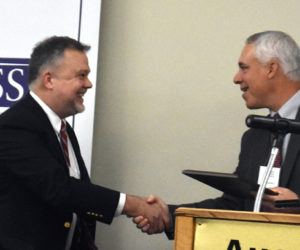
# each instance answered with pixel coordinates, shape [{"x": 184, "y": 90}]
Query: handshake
[{"x": 151, "y": 214}]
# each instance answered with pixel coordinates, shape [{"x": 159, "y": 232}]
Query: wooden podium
[{"x": 208, "y": 229}]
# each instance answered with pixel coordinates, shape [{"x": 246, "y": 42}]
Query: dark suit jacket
[
  {"x": 255, "y": 151},
  {"x": 37, "y": 195}
]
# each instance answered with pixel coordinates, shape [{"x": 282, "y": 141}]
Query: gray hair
[{"x": 279, "y": 46}]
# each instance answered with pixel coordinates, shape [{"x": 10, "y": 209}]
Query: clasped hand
[{"x": 151, "y": 214}]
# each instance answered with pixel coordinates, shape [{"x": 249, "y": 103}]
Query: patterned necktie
[
  {"x": 278, "y": 157},
  {"x": 278, "y": 160},
  {"x": 64, "y": 141}
]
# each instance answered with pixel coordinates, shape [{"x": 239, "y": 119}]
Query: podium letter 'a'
[{"x": 234, "y": 245}]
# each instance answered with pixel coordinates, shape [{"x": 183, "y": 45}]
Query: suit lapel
[
  {"x": 290, "y": 158},
  {"x": 42, "y": 123},
  {"x": 55, "y": 148},
  {"x": 83, "y": 172}
]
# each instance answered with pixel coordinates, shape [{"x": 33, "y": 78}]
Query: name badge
[{"x": 273, "y": 180}]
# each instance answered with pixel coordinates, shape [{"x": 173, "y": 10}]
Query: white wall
[{"x": 165, "y": 100}]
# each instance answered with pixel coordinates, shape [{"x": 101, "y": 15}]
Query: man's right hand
[
  {"x": 145, "y": 224},
  {"x": 150, "y": 214}
]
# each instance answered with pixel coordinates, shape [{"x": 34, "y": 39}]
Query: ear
[
  {"x": 272, "y": 68},
  {"x": 47, "y": 80}
]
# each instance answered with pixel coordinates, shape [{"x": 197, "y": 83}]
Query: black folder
[
  {"x": 287, "y": 203},
  {"x": 228, "y": 183}
]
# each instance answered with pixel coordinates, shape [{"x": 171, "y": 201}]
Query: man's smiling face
[{"x": 252, "y": 78}]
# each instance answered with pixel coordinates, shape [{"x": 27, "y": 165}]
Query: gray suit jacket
[{"x": 255, "y": 152}]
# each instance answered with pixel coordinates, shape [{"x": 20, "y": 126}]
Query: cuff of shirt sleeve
[{"x": 121, "y": 204}]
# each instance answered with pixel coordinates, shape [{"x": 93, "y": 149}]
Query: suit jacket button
[{"x": 67, "y": 225}]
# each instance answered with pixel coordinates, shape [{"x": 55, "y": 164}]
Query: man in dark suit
[
  {"x": 269, "y": 77},
  {"x": 47, "y": 201}
]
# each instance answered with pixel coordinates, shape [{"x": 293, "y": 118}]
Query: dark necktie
[
  {"x": 278, "y": 157},
  {"x": 278, "y": 160},
  {"x": 64, "y": 142}
]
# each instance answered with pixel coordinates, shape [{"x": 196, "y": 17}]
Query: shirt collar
[
  {"x": 290, "y": 108},
  {"x": 53, "y": 117}
]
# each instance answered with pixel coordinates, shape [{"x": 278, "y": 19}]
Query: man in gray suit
[{"x": 269, "y": 77}]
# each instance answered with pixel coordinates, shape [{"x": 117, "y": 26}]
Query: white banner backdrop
[{"x": 26, "y": 22}]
